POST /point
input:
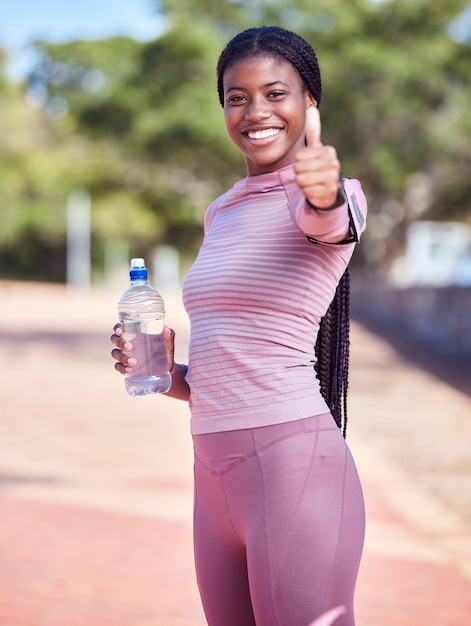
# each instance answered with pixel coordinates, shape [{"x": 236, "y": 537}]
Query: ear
[{"x": 309, "y": 99}]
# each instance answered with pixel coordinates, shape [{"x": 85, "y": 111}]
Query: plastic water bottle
[{"x": 142, "y": 313}]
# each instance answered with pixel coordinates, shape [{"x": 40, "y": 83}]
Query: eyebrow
[{"x": 266, "y": 85}]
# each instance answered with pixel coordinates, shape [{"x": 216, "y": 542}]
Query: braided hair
[
  {"x": 272, "y": 41},
  {"x": 333, "y": 352},
  {"x": 333, "y": 342}
]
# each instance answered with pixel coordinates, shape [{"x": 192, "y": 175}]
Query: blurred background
[
  {"x": 113, "y": 141},
  {"x": 112, "y": 144}
]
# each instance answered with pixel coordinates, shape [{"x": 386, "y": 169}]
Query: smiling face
[{"x": 265, "y": 102}]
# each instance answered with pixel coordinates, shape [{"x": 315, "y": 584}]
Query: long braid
[
  {"x": 333, "y": 352},
  {"x": 332, "y": 346}
]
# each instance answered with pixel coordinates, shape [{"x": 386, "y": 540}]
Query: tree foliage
[{"x": 139, "y": 124}]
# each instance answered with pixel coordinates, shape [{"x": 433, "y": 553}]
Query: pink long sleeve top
[{"x": 255, "y": 297}]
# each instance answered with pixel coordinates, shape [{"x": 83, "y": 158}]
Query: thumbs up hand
[
  {"x": 312, "y": 127},
  {"x": 317, "y": 166}
]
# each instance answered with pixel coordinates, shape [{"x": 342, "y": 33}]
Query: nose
[{"x": 257, "y": 109}]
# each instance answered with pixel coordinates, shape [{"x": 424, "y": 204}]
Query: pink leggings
[{"x": 279, "y": 524}]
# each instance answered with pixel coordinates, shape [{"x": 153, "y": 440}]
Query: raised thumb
[{"x": 313, "y": 126}]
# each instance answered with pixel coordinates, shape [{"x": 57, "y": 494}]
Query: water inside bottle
[{"x": 150, "y": 375}]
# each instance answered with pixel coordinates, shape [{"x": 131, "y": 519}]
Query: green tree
[
  {"x": 152, "y": 126},
  {"x": 139, "y": 124},
  {"x": 397, "y": 80}
]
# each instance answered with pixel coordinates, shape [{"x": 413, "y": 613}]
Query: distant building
[{"x": 436, "y": 253}]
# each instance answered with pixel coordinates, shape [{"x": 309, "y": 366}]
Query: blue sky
[{"x": 22, "y": 21}]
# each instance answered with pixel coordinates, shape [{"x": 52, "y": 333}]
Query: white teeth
[{"x": 263, "y": 134}]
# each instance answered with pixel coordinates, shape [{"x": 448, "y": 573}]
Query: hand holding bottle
[
  {"x": 141, "y": 312},
  {"x": 122, "y": 354}
]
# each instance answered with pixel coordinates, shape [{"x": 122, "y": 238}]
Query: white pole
[
  {"x": 166, "y": 268},
  {"x": 78, "y": 239}
]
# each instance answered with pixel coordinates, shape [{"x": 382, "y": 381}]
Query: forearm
[
  {"x": 179, "y": 389},
  {"x": 330, "y": 226},
  {"x": 333, "y": 225}
]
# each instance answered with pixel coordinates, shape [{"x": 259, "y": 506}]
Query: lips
[{"x": 264, "y": 133}]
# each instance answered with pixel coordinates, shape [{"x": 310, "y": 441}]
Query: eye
[
  {"x": 236, "y": 99},
  {"x": 275, "y": 95}
]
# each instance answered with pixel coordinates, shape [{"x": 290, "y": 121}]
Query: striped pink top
[{"x": 255, "y": 296}]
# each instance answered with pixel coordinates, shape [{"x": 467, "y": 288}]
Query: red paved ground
[
  {"x": 95, "y": 487},
  {"x": 65, "y": 565}
]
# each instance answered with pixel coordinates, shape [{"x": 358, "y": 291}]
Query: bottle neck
[{"x": 138, "y": 281}]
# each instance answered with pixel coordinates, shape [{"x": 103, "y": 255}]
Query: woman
[{"x": 279, "y": 515}]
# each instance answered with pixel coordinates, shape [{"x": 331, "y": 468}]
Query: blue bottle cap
[{"x": 138, "y": 269}]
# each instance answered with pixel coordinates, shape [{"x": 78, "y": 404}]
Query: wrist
[
  {"x": 339, "y": 201},
  {"x": 178, "y": 368},
  {"x": 179, "y": 388}
]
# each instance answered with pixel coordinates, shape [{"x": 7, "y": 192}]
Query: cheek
[
  {"x": 298, "y": 124},
  {"x": 231, "y": 124}
]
